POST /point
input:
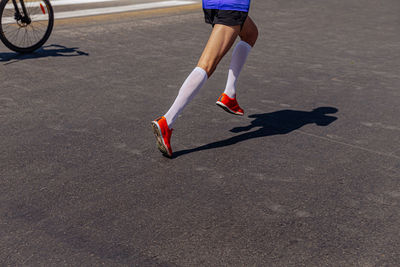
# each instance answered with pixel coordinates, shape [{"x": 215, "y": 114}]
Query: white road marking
[
  {"x": 106, "y": 10},
  {"x": 64, "y": 2},
  {"x": 118, "y": 9}
]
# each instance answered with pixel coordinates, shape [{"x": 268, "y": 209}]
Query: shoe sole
[
  {"x": 224, "y": 107},
  {"x": 160, "y": 140}
]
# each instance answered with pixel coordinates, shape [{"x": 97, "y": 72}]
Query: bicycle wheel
[{"x": 25, "y": 35}]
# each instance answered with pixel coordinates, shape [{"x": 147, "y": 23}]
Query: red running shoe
[
  {"x": 230, "y": 105},
  {"x": 163, "y": 136}
]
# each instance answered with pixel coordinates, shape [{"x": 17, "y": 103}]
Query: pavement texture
[{"x": 310, "y": 176}]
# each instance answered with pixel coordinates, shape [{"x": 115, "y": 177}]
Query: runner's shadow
[
  {"x": 52, "y": 50},
  {"x": 278, "y": 122}
]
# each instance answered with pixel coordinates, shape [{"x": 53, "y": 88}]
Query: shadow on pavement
[
  {"x": 278, "y": 122},
  {"x": 52, "y": 50}
]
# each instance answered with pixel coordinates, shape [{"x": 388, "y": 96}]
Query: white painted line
[
  {"x": 76, "y": 2},
  {"x": 118, "y": 9},
  {"x": 62, "y": 2},
  {"x": 105, "y": 10}
]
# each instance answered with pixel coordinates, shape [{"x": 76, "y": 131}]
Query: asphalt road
[{"x": 309, "y": 177}]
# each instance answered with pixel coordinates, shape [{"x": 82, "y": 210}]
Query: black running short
[{"x": 225, "y": 17}]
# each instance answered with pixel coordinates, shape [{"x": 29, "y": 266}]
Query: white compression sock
[
  {"x": 189, "y": 89},
  {"x": 239, "y": 57}
]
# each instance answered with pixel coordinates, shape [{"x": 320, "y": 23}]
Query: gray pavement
[{"x": 309, "y": 177}]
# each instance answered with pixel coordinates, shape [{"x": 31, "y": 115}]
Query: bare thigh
[
  {"x": 221, "y": 40},
  {"x": 249, "y": 32}
]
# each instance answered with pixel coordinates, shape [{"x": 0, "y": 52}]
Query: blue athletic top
[{"x": 238, "y": 5}]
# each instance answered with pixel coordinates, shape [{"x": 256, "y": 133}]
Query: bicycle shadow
[
  {"x": 274, "y": 123},
  {"x": 52, "y": 50}
]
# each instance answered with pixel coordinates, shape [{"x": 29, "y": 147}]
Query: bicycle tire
[{"x": 30, "y": 48}]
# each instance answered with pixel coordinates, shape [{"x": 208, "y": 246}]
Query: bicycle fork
[{"x": 23, "y": 18}]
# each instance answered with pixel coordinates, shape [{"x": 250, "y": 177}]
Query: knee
[
  {"x": 209, "y": 67},
  {"x": 254, "y": 37},
  {"x": 250, "y": 37}
]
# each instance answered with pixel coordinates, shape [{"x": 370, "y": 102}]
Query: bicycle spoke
[{"x": 36, "y": 33}]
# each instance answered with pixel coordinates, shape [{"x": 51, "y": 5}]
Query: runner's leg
[
  {"x": 189, "y": 89},
  {"x": 249, "y": 35},
  {"x": 249, "y": 32},
  {"x": 221, "y": 40}
]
